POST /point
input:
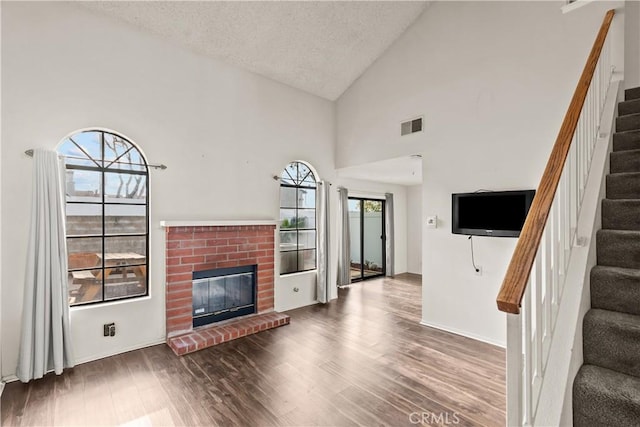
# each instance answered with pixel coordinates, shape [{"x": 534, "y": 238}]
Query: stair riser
[
  {"x": 604, "y": 399},
  {"x": 626, "y": 123},
  {"x": 625, "y": 161},
  {"x": 615, "y": 292},
  {"x": 611, "y": 345},
  {"x": 621, "y": 214},
  {"x": 629, "y": 107},
  {"x": 618, "y": 249},
  {"x": 626, "y": 141},
  {"x": 623, "y": 186},
  {"x": 630, "y": 94}
]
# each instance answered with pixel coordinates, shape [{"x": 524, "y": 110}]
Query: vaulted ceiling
[{"x": 320, "y": 47}]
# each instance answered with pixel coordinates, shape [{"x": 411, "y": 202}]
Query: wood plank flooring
[{"x": 361, "y": 360}]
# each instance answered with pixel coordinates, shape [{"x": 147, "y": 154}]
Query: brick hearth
[{"x": 204, "y": 247}]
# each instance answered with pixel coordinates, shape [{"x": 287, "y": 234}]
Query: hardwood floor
[{"x": 361, "y": 360}]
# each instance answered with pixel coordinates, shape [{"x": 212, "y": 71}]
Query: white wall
[
  {"x": 415, "y": 220},
  {"x": 493, "y": 80},
  {"x": 632, "y": 43},
  {"x": 222, "y": 132}
]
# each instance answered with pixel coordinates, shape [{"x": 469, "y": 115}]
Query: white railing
[{"x": 529, "y": 333}]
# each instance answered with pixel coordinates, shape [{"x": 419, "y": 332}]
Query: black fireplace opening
[{"x": 223, "y": 293}]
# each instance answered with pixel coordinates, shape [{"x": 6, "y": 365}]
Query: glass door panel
[
  {"x": 366, "y": 228},
  {"x": 354, "y": 237},
  {"x": 373, "y": 230}
]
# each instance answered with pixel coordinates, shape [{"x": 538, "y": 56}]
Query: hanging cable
[{"x": 473, "y": 261}]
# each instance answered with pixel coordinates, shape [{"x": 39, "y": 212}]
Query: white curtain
[
  {"x": 45, "y": 342},
  {"x": 322, "y": 212},
  {"x": 344, "y": 248},
  {"x": 389, "y": 234}
]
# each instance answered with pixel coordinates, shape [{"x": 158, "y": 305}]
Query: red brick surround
[{"x": 195, "y": 248}]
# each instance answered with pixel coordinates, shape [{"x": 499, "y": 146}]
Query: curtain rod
[{"x": 30, "y": 154}]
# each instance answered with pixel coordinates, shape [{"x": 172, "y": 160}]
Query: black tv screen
[{"x": 491, "y": 213}]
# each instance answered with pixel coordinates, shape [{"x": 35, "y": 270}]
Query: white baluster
[
  {"x": 515, "y": 393},
  {"x": 528, "y": 365}
]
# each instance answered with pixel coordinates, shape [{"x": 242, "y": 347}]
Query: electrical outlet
[
  {"x": 479, "y": 270},
  {"x": 109, "y": 329}
]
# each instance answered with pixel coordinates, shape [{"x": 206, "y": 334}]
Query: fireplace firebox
[{"x": 223, "y": 293}]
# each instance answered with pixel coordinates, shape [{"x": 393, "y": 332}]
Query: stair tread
[
  {"x": 624, "y": 173},
  {"x": 616, "y": 318},
  {"x": 619, "y": 232},
  {"x": 603, "y": 397},
  {"x": 633, "y": 272}
]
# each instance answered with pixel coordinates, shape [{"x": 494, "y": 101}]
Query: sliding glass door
[{"x": 367, "y": 239}]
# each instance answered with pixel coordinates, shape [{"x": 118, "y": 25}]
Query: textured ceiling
[{"x": 318, "y": 46}]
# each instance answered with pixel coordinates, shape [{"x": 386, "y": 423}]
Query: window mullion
[
  {"x": 103, "y": 177},
  {"x": 297, "y": 230}
]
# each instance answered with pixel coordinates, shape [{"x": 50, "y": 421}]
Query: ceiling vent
[{"x": 411, "y": 126}]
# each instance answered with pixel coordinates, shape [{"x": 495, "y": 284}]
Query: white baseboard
[
  {"x": 94, "y": 357},
  {"x": 8, "y": 379},
  {"x": 464, "y": 334}
]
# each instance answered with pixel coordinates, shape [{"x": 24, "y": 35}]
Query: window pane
[
  {"x": 82, "y": 149},
  {"x": 288, "y": 240},
  {"x": 306, "y": 239},
  {"x": 306, "y": 218},
  {"x": 120, "y": 219},
  {"x": 125, "y": 187},
  {"x": 306, "y": 198},
  {"x": 123, "y": 282},
  {"x": 307, "y": 259},
  {"x": 288, "y": 263},
  {"x": 287, "y": 219},
  {"x": 83, "y": 219},
  {"x": 288, "y": 197},
  {"x": 303, "y": 172},
  {"x": 125, "y": 250},
  {"x": 84, "y": 286},
  {"x": 291, "y": 173},
  {"x": 83, "y": 186},
  {"x": 121, "y": 154},
  {"x": 73, "y": 155},
  {"x": 309, "y": 181},
  {"x": 84, "y": 252}
]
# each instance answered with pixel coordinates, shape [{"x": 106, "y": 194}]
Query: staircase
[{"x": 606, "y": 390}]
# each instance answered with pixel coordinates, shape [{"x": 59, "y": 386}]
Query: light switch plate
[{"x": 432, "y": 221}]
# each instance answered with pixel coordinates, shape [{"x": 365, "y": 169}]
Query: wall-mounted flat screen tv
[{"x": 490, "y": 213}]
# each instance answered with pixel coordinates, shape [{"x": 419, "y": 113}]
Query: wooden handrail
[{"x": 515, "y": 281}]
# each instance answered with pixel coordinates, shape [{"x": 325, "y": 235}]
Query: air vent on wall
[{"x": 411, "y": 126}]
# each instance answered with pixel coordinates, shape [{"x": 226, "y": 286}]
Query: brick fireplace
[{"x": 199, "y": 246}]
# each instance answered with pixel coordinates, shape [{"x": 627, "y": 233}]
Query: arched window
[
  {"x": 107, "y": 217},
  {"x": 297, "y": 219}
]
